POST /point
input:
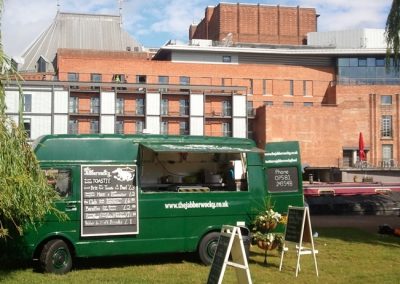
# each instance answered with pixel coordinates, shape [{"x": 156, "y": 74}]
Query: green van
[{"x": 141, "y": 194}]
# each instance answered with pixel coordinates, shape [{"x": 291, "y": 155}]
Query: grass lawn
[{"x": 345, "y": 256}]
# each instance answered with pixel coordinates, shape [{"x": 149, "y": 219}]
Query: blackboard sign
[
  {"x": 295, "y": 225},
  {"x": 283, "y": 179},
  {"x": 108, "y": 200},
  {"x": 219, "y": 259}
]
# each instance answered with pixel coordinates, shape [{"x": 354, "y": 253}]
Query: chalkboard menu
[
  {"x": 283, "y": 179},
  {"x": 296, "y": 224},
  {"x": 219, "y": 259},
  {"x": 108, "y": 200}
]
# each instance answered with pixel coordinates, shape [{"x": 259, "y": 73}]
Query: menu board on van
[{"x": 108, "y": 200}]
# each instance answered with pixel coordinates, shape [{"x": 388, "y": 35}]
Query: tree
[
  {"x": 392, "y": 31},
  {"x": 25, "y": 196}
]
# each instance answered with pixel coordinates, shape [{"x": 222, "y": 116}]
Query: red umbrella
[{"x": 361, "y": 147}]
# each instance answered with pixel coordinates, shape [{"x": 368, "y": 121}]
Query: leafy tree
[
  {"x": 392, "y": 33},
  {"x": 25, "y": 196}
]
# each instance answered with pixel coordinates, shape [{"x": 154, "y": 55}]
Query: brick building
[
  {"x": 320, "y": 94},
  {"x": 255, "y": 23}
]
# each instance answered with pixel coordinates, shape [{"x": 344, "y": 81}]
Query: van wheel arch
[
  {"x": 208, "y": 246},
  {"x": 55, "y": 255}
]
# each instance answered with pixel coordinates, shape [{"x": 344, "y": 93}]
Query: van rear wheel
[
  {"x": 208, "y": 247},
  {"x": 56, "y": 257}
]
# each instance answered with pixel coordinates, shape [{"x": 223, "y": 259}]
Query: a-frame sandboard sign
[
  {"x": 298, "y": 230},
  {"x": 230, "y": 243}
]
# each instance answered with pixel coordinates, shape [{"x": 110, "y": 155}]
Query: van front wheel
[
  {"x": 208, "y": 247},
  {"x": 56, "y": 257}
]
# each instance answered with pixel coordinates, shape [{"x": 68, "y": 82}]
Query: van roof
[{"x": 114, "y": 148}]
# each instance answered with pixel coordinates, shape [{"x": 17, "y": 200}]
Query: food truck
[{"x": 142, "y": 194}]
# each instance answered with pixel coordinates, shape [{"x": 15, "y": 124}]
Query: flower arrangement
[{"x": 263, "y": 226}]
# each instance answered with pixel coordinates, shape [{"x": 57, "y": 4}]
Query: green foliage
[
  {"x": 392, "y": 33},
  {"x": 25, "y": 197}
]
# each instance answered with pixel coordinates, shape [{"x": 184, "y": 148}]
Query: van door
[{"x": 284, "y": 174}]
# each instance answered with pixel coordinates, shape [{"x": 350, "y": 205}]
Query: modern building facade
[{"x": 323, "y": 94}]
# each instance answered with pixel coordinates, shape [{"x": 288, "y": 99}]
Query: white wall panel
[
  {"x": 41, "y": 101},
  {"x": 153, "y": 124},
  {"x": 12, "y": 99},
  {"x": 61, "y": 102},
  {"x": 107, "y": 102},
  {"x": 204, "y": 57},
  {"x": 153, "y": 103},
  {"x": 107, "y": 124},
  {"x": 197, "y": 104},
  {"x": 40, "y": 125},
  {"x": 196, "y": 126},
  {"x": 60, "y": 124},
  {"x": 239, "y": 127},
  {"x": 239, "y": 106}
]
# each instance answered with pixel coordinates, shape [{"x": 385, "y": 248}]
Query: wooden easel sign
[
  {"x": 298, "y": 230},
  {"x": 230, "y": 243}
]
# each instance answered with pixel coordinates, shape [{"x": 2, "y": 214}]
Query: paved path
[{"x": 369, "y": 223}]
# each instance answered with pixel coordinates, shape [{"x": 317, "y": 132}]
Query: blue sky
[{"x": 154, "y": 22}]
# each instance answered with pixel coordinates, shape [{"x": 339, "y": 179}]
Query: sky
[{"x": 155, "y": 22}]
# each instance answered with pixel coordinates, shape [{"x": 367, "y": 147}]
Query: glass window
[
  {"x": 362, "y": 62},
  {"x": 119, "y": 127},
  {"x": 119, "y": 78},
  {"x": 226, "y": 108},
  {"x": 251, "y": 86},
  {"x": 119, "y": 106},
  {"x": 73, "y": 77},
  {"x": 95, "y": 77},
  {"x": 139, "y": 126},
  {"x": 73, "y": 105},
  {"x": 288, "y": 104},
  {"x": 27, "y": 102},
  {"x": 164, "y": 127},
  {"x": 27, "y": 127},
  {"x": 291, "y": 91},
  {"x": 141, "y": 79},
  {"x": 183, "y": 107},
  {"x": 140, "y": 106},
  {"x": 387, "y": 152},
  {"x": 59, "y": 180},
  {"x": 94, "y": 105},
  {"x": 73, "y": 126},
  {"x": 183, "y": 128},
  {"x": 163, "y": 79},
  {"x": 371, "y": 62},
  {"x": 386, "y": 126},
  {"x": 164, "y": 107},
  {"x": 380, "y": 62},
  {"x": 226, "y": 58},
  {"x": 268, "y": 103},
  {"x": 250, "y": 108},
  {"x": 343, "y": 62},
  {"x": 94, "y": 126},
  {"x": 308, "y": 104},
  {"x": 184, "y": 80},
  {"x": 226, "y": 129},
  {"x": 353, "y": 62},
  {"x": 386, "y": 100}
]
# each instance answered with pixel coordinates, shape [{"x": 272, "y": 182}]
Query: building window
[
  {"x": 73, "y": 77},
  {"x": 95, "y": 78},
  {"x": 288, "y": 104},
  {"x": 184, "y": 80},
  {"x": 118, "y": 78},
  {"x": 268, "y": 103},
  {"x": 307, "y": 88},
  {"x": 308, "y": 104},
  {"x": 73, "y": 105},
  {"x": 164, "y": 107},
  {"x": 291, "y": 91},
  {"x": 73, "y": 126},
  {"x": 226, "y": 58},
  {"x": 251, "y": 86},
  {"x": 42, "y": 65},
  {"x": 141, "y": 79},
  {"x": 183, "y": 107},
  {"x": 140, "y": 106},
  {"x": 386, "y": 100},
  {"x": 94, "y": 126},
  {"x": 226, "y": 108},
  {"x": 387, "y": 152},
  {"x": 119, "y": 127},
  {"x": 119, "y": 106},
  {"x": 362, "y": 62},
  {"x": 27, "y": 102},
  {"x": 226, "y": 129},
  {"x": 94, "y": 105},
  {"x": 183, "y": 128},
  {"x": 386, "y": 126},
  {"x": 139, "y": 126},
  {"x": 164, "y": 80},
  {"x": 27, "y": 127},
  {"x": 164, "y": 127},
  {"x": 250, "y": 109}
]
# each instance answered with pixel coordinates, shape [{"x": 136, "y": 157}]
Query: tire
[
  {"x": 56, "y": 257},
  {"x": 207, "y": 247}
]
